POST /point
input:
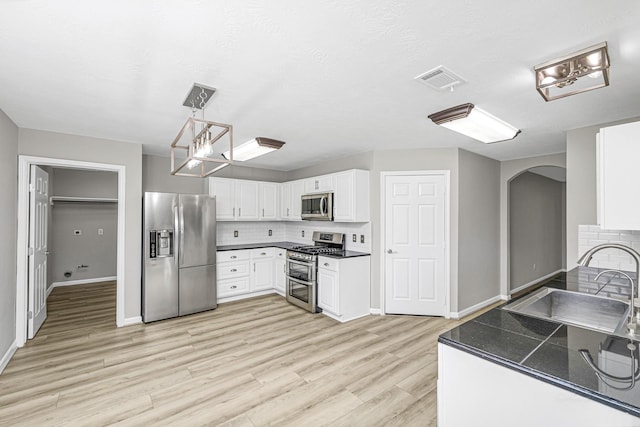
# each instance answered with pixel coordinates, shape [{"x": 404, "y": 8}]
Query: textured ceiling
[{"x": 330, "y": 78}]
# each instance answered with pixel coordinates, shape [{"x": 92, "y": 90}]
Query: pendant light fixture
[
  {"x": 195, "y": 141},
  {"x": 473, "y": 122}
]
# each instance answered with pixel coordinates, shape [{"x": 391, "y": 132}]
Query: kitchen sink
[{"x": 574, "y": 308}]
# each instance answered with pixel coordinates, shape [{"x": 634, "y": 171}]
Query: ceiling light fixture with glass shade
[
  {"x": 565, "y": 76},
  {"x": 475, "y": 123},
  {"x": 197, "y": 149}
]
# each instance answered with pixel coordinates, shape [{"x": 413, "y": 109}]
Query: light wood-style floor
[{"x": 249, "y": 363}]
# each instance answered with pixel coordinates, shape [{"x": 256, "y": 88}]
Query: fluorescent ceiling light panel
[
  {"x": 251, "y": 149},
  {"x": 475, "y": 123}
]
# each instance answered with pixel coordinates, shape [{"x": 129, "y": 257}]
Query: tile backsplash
[
  {"x": 592, "y": 235},
  {"x": 258, "y": 232}
]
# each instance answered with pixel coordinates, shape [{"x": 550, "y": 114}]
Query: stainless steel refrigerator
[{"x": 179, "y": 255}]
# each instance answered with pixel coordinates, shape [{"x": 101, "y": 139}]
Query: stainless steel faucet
[{"x": 586, "y": 259}]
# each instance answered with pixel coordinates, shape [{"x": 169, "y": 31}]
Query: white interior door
[
  {"x": 415, "y": 244},
  {"x": 38, "y": 249}
]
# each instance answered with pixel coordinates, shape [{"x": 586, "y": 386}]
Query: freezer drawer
[
  {"x": 197, "y": 289},
  {"x": 160, "y": 290}
]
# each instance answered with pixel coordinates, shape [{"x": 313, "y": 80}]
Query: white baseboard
[
  {"x": 376, "y": 311},
  {"x": 80, "y": 282},
  {"x": 476, "y": 307},
  {"x": 8, "y": 355},
  {"x": 132, "y": 320},
  {"x": 535, "y": 281}
]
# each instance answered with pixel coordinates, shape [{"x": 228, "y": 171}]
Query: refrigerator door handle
[
  {"x": 181, "y": 249},
  {"x": 175, "y": 228}
]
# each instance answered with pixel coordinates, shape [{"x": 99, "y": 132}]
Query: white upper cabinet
[
  {"x": 351, "y": 196},
  {"x": 236, "y": 199},
  {"x": 319, "y": 184},
  {"x": 291, "y": 200},
  {"x": 268, "y": 201},
  {"x": 225, "y": 192},
  {"x": 618, "y": 148},
  {"x": 247, "y": 200}
]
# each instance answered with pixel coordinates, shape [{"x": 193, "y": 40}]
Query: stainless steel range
[{"x": 302, "y": 268}]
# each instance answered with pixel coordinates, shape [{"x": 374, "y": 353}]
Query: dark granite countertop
[
  {"x": 287, "y": 245},
  {"x": 551, "y": 351}
]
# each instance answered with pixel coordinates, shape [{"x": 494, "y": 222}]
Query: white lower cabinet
[
  {"x": 514, "y": 398},
  {"x": 344, "y": 287},
  {"x": 233, "y": 273},
  {"x": 280, "y": 274},
  {"x": 262, "y": 269},
  {"x": 247, "y": 272}
]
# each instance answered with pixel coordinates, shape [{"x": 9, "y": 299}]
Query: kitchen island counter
[{"x": 554, "y": 352}]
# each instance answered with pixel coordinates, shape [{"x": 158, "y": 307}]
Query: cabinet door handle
[
  {"x": 233, "y": 257},
  {"x": 232, "y": 287},
  {"x": 234, "y": 211},
  {"x": 326, "y": 264},
  {"x": 262, "y": 213},
  {"x": 239, "y": 211},
  {"x": 263, "y": 253},
  {"x": 287, "y": 211},
  {"x": 233, "y": 270},
  {"x": 254, "y": 267}
]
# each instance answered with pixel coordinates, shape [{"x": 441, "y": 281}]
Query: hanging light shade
[
  {"x": 582, "y": 71},
  {"x": 258, "y": 146},
  {"x": 473, "y": 122}
]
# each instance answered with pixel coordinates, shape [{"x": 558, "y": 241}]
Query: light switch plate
[
  {"x": 235, "y": 233},
  {"x": 270, "y": 233},
  {"x": 362, "y": 238},
  {"x": 100, "y": 231}
]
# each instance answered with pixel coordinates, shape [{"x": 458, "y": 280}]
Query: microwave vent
[{"x": 440, "y": 78}]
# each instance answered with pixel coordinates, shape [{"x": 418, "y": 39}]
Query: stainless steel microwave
[{"x": 317, "y": 207}]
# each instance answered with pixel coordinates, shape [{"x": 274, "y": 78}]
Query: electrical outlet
[
  {"x": 77, "y": 232},
  {"x": 302, "y": 233},
  {"x": 235, "y": 233},
  {"x": 354, "y": 238},
  {"x": 534, "y": 267},
  {"x": 270, "y": 233},
  {"x": 362, "y": 238},
  {"x": 100, "y": 231}
]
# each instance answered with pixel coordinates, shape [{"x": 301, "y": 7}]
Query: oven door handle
[
  {"x": 306, "y": 264},
  {"x": 323, "y": 202},
  {"x": 302, "y": 282}
]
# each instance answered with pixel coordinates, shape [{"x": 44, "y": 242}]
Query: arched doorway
[{"x": 536, "y": 226}]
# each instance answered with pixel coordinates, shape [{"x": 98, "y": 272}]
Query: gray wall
[
  {"x": 478, "y": 229},
  {"x": 69, "y": 251},
  {"x": 8, "y": 227},
  {"x": 156, "y": 177},
  {"x": 536, "y": 206},
  {"x": 581, "y": 183},
  {"x": 63, "y": 146}
]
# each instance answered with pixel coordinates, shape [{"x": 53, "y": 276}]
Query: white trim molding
[
  {"x": 375, "y": 311},
  {"x": 536, "y": 281},
  {"x": 24, "y": 164},
  {"x": 479, "y": 306},
  {"x": 6, "y": 358},
  {"x": 131, "y": 321}
]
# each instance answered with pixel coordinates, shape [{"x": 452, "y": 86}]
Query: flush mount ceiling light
[
  {"x": 193, "y": 152},
  {"x": 565, "y": 76},
  {"x": 475, "y": 123},
  {"x": 254, "y": 148}
]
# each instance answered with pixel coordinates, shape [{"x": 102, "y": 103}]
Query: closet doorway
[{"x": 22, "y": 295}]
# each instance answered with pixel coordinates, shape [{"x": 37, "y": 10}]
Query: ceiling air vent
[{"x": 440, "y": 78}]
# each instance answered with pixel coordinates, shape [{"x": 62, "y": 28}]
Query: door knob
[
  {"x": 47, "y": 253},
  {"x": 389, "y": 251}
]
